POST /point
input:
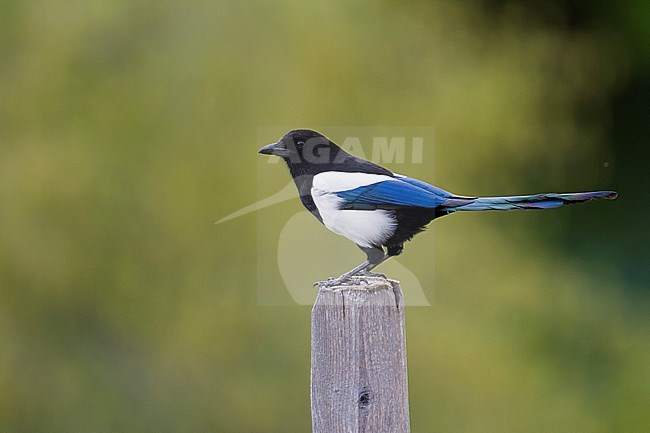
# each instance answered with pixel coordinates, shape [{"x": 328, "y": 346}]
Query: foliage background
[{"x": 128, "y": 127}]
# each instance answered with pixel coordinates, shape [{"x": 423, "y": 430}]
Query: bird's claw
[
  {"x": 373, "y": 274},
  {"x": 331, "y": 282}
]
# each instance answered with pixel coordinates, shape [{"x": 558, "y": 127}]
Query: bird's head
[{"x": 303, "y": 146}]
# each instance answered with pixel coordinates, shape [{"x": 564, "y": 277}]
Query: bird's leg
[
  {"x": 371, "y": 266},
  {"x": 393, "y": 250},
  {"x": 351, "y": 273},
  {"x": 375, "y": 255}
]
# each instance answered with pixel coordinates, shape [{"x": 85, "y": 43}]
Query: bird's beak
[{"x": 274, "y": 149}]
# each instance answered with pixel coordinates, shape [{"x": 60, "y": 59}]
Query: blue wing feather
[
  {"x": 398, "y": 192},
  {"x": 420, "y": 184}
]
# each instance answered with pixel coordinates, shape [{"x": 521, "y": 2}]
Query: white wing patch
[
  {"x": 365, "y": 228},
  {"x": 333, "y": 181}
]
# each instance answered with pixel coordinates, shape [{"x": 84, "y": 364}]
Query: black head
[{"x": 303, "y": 146}]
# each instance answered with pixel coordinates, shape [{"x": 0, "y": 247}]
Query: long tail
[{"x": 537, "y": 201}]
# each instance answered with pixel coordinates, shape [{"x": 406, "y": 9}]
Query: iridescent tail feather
[{"x": 536, "y": 201}]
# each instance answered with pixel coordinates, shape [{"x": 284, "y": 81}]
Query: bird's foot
[
  {"x": 373, "y": 275},
  {"x": 343, "y": 280},
  {"x": 346, "y": 279},
  {"x": 332, "y": 281},
  {"x": 361, "y": 278}
]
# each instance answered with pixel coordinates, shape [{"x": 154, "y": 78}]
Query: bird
[{"x": 377, "y": 209}]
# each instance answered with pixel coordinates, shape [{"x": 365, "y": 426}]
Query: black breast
[{"x": 308, "y": 202}]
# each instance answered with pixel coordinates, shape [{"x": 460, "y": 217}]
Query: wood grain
[{"x": 358, "y": 359}]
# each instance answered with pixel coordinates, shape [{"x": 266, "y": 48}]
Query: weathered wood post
[{"x": 358, "y": 359}]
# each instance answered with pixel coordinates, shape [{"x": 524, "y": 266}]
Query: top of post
[
  {"x": 360, "y": 282},
  {"x": 360, "y": 290}
]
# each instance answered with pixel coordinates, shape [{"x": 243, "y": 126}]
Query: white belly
[{"x": 365, "y": 228}]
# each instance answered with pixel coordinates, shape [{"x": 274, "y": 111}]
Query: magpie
[{"x": 377, "y": 209}]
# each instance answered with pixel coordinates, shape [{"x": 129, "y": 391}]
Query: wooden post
[{"x": 358, "y": 359}]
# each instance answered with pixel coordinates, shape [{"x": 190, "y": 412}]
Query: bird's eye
[{"x": 300, "y": 144}]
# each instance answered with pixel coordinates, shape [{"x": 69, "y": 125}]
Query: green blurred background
[{"x": 127, "y": 128}]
